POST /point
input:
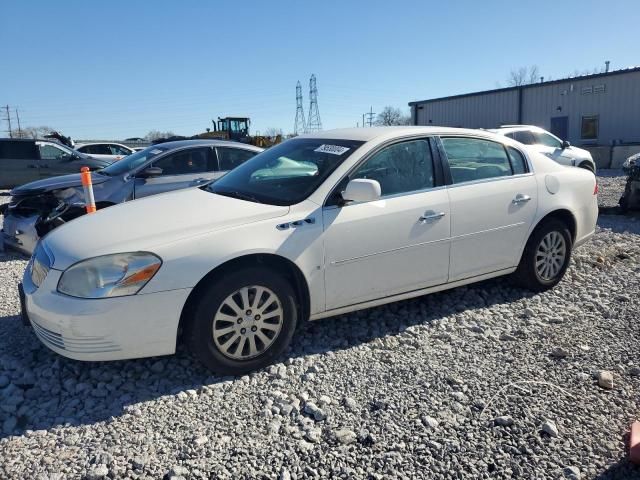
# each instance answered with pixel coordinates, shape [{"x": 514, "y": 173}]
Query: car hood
[
  {"x": 580, "y": 152},
  {"x": 143, "y": 224},
  {"x": 55, "y": 183}
]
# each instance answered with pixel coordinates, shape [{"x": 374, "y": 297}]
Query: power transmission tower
[
  {"x": 19, "y": 129},
  {"x": 9, "y": 121},
  {"x": 300, "y": 126},
  {"x": 367, "y": 118},
  {"x": 314, "y": 124}
]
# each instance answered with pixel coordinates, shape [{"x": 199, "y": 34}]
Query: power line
[
  {"x": 299, "y": 126},
  {"x": 314, "y": 124}
]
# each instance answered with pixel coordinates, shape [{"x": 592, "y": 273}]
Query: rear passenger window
[
  {"x": 230, "y": 158},
  {"x": 475, "y": 159},
  {"x": 518, "y": 163},
  {"x": 524, "y": 137}
]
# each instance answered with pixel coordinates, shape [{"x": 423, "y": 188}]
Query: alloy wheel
[
  {"x": 551, "y": 255},
  {"x": 247, "y": 322}
]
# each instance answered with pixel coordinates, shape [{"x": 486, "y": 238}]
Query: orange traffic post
[
  {"x": 634, "y": 443},
  {"x": 89, "y": 201}
]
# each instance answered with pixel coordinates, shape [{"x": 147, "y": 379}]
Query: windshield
[
  {"x": 287, "y": 173},
  {"x": 133, "y": 161}
]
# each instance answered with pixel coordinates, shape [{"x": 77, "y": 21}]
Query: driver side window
[
  {"x": 400, "y": 168},
  {"x": 194, "y": 160}
]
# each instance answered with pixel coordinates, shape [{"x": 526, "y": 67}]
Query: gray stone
[
  {"x": 98, "y": 472},
  {"x": 503, "y": 421},
  {"x": 550, "y": 428},
  {"x": 605, "y": 379},
  {"x": 572, "y": 473},
  {"x": 345, "y": 436},
  {"x": 316, "y": 412}
]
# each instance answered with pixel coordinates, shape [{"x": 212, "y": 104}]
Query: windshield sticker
[
  {"x": 332, "y": 149},
  {"x": 156, "y": 151}
]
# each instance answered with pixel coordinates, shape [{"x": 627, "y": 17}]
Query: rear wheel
[
  {"x": 586, "y": 166},
  {"x": 546, "y": 256},
  {"x": 243, "y": 321}
]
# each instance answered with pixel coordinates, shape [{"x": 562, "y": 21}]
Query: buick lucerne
[{"x": 320, "y": 225}]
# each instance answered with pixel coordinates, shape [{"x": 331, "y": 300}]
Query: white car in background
[
  {"x": 545, "y": 142},
  {"x": 232, "y": 267},
  {"x": 105, "y": 151}
]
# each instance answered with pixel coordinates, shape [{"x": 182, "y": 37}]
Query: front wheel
[
  {"x": 242, "y": 322},
  {"x": 546, "y": 256}
]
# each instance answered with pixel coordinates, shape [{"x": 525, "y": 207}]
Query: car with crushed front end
[
  {"x": 354, "y": 218},
  {"x": 38, "y": 207}
]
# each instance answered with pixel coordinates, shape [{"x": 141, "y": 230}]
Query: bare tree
[
  {"x": 272, "y": 132},
  {"x": 32, "y": 132},
  {"x": 392, "y": 116},
  {"x": 523, "y": 76},
  {"x": 156, "y": 134}
]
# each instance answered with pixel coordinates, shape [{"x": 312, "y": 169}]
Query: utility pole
[
  {"x": 19, "y": 129},
  {"x": 9, "y": 121}
]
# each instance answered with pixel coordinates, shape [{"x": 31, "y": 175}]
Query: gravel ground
[
  {"x": 610, "y": 186},
  {"x": 486, "y": 381}
]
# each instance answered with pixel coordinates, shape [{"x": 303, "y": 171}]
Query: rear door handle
[
  {"x": 430, "y": 216},
  {"x": 520, "y": 198}
]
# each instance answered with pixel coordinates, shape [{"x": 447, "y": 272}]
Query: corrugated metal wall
[
  {"x": 478, "y": 111},
  {"x": 615, "y": 98}
]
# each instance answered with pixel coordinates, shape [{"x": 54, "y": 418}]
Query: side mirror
[
  {"x": 566, "y": 144},
  {"x": 362, "y": 190},
  {"x": 150, "y": 172}
]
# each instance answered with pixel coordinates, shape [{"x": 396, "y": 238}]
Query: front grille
[{"x": 74, "y": 344}]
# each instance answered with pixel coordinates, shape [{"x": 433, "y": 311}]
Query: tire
[
  {"x": 554, "y": 233},
  {"x": 586, "y": 166},
  {"x": 218, "y": 326}
]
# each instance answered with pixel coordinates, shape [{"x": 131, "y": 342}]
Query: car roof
[
  {"x": 371, "y": 133},
  {"x": 99, "y": 143},
  {"x": 515, "y": 128},
  {"x": 208, "y": 143}
]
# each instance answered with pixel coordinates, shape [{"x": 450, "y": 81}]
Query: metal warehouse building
[{"x": 592, "y": 110}]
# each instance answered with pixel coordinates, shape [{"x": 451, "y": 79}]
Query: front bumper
[
  {"x": 19, "y": 233},
  {"x": 136, "y": 326}
]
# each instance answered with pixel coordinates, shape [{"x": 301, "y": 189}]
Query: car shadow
[
  {"x": 621, "y": 470},
  {"x": 48, "y": 390}
]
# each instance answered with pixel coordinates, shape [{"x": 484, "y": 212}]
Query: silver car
[{"x": 38, "y": 207}]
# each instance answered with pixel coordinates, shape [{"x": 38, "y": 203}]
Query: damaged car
[{"x": 39, "y": 207}]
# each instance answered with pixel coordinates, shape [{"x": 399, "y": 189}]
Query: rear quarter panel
[{"x": 566, "y": 188}]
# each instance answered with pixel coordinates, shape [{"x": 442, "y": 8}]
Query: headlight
[{"x": 114, "y": 275}]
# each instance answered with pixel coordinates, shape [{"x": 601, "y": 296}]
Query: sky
[{"x": 118, "y": 69}]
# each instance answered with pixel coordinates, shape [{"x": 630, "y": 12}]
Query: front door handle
[
  {"x": 520, "y": 198},
  {"x": 430, "y": 216}
]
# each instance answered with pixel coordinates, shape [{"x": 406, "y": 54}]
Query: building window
[{"x": 589, "y": 129}]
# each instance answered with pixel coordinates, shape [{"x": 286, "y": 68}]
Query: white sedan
[
  {"x": 230, "y": 268},
  {"x": 105, "y": 151}
]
